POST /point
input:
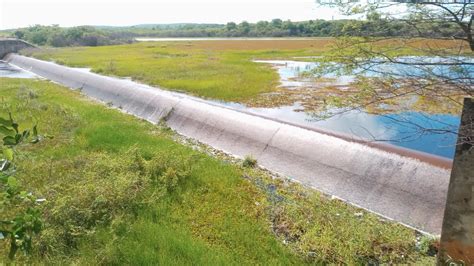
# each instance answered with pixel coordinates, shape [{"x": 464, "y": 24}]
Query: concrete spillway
[{"x": 397, "y": 186}]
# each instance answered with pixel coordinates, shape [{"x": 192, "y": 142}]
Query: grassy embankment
[{"x": 121, "y": 190}]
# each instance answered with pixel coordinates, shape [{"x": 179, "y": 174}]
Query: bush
[
  {"x": 169, "y": 170},
  {"x": 249, "y": 161},
  {"x": 21, "y": 218}
]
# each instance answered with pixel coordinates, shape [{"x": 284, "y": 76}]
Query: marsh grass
[
  {"x": 120, "y": 190},
  {"x": 220, "y": 70}
]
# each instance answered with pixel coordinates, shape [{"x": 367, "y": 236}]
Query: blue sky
[{"x": 21, "y": 13}]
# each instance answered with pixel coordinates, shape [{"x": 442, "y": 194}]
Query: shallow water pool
[{"x": 9, "y": 71}]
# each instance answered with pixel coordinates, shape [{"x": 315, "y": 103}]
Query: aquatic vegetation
[
  {"x": 317, "y": 94},
  {"x": 222, "y": 70},
  {"x": 225, "y": 70}
]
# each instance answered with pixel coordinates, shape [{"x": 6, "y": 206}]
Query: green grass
[
  {"x": 221, "y": 70},
  {"x": 120, "y": 190},
  {"x": 211, "y": 72}
]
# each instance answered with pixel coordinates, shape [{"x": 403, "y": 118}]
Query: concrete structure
[
  {"x": 457, "y": 238},
  {"x": 412, "y": 191},
  {"x": 12, "y": 46}
]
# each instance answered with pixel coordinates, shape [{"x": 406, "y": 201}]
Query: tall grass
[
  {"x": 221, "y": 74},
  {"x": 221, "y": 70}
]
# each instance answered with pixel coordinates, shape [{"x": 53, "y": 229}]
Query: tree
[
  {"x": 439, "y": 32},
  {"x": 19, "y": 34},
  {"x": 290, "y": 26},
  {"x": 276, "y": 23},
  {"x": 231, "y": 26},
  {"x": 245, "y": 27}
]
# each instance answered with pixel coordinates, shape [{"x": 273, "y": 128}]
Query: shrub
[
  {"x": 169, "y": 170},
  {"x": 21, "y": 217},
  {"x": 249, "y": 161}
]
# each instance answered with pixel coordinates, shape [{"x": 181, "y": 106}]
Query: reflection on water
[
  {"x": 409, "y": 129},
  {"x": 9, "y": 71},
  {"x": 290, "y": 71}
]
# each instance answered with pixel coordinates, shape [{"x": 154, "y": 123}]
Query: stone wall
[{"x": 12, "y": 46}]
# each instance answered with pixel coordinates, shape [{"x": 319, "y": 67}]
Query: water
[
  {"x": 458, "y": 67},
  {"x": 290, "y": 71},
  {"x": 409, "y": 129},
  {"x": 9, "y": 71}
]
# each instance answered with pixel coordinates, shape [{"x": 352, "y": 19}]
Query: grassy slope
[{"x": 102, "y": 207}]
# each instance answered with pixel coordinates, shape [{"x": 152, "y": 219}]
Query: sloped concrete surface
[{"x": 398, "y": 187}]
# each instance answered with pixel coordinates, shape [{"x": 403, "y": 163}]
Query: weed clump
[
  {"x": 249, "y": 161},
  {"x": 169, "y": 171}
]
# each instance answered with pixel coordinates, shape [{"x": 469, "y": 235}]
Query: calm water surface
[{"x": 9, "y": 71}]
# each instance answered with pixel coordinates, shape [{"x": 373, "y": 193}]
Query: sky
[{"x": 22, "y": 13}]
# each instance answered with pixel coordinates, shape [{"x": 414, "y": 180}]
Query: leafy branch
[{"x": 21, "y": 216}]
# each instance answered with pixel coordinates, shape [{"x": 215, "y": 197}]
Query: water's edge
[{"x": 398, "y": 187}]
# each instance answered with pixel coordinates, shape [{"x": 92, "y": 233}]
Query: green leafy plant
[{"x": 21, "y": 216}]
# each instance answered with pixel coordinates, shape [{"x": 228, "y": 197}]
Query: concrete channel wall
[
  {"x": 12, "y": 46},
  {"x": 402, "y": 188}
]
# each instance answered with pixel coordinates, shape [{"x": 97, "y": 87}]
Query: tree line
[
  {"x": 75, "y": 36},
  {"x": 100, "y": 35}
]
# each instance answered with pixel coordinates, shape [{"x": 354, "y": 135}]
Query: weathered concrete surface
[
  {"x": 12, "y": 46},
  {"x": 402, "y": 188},
  {"x": 457, "y": 238}
]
